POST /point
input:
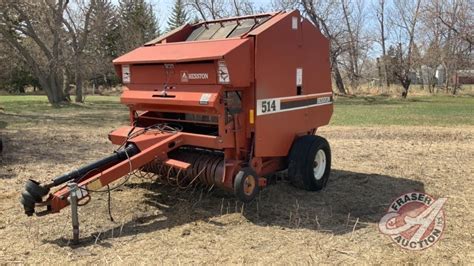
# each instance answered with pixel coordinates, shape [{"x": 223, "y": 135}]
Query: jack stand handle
[{"x": 74, "y": 214}]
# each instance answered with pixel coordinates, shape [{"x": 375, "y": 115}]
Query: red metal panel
[
  {"x": 177, "y": 35},
  {"x": 282, "y": 48},
  {"x": 239, "y": 64},
  {"x": 156, "y": 74},
  {"x": 316, "y": 65},
  {"x": 180, "y": 52},
  {"x": 176, "y": 97}
]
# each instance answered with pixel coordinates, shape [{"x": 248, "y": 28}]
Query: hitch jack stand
[{"x": 74, "y": 214}]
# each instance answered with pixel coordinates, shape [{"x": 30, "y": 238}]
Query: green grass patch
[{"x": 416, "y": 111}]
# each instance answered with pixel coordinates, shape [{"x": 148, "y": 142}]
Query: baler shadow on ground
[{"x": 350, "y": 202}]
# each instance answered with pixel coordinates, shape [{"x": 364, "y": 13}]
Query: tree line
[
  {"x": 51, "y": 44},
  {"x": 393, "y": 41}
]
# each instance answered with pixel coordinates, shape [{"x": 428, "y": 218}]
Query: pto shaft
[{"x": 129, "y": 151}]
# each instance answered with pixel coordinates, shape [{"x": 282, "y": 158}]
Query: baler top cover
[
  {"x": 180, "y": 44},
  {"x": 180, "y": 52}
]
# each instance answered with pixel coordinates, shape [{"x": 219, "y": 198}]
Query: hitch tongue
[{"x": 34, "y": 191}]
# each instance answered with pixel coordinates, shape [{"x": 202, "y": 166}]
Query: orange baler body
[
  {"x": 241, "y": 91},
  {"x": 281, "y": 67}
]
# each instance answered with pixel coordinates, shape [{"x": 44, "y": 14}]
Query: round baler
[{"x": 219, "y": 103}]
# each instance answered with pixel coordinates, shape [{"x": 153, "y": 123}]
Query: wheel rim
[
  {"x": 249, "y": 185},
  {"x": 319, "y": 165}
]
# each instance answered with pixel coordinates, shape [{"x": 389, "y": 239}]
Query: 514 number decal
[{"x": 268, "y": 106}]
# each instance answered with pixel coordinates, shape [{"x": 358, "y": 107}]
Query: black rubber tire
[
  {"x": 301, "y": 162},
  {"x": 240, "y": 184}
]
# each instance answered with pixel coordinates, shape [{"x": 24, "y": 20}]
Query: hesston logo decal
[
  {"x": 414, "y": 220},
  {"x": 185, "y": 76}
]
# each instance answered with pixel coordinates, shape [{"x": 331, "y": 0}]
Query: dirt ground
[{"x": 155, "y": 224}]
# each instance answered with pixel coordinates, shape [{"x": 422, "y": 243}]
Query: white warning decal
[
  {"x": 294, "y": 23},
  {"x": 299, "y": 76},
  {"x": 205, "y": 98},
  {"x": 126, "y": 74},
  {"x": 82, "y": 192}
]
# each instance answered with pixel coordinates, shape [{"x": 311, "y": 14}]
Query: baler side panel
[
  {"x": 238, "y": 62},
  {"x": 280, "y": 51},
  {"x": 316, "y": 65}
]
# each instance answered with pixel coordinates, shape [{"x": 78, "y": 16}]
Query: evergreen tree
[
  {"x": 137, "y": 24},
  {"x": 104, "y": 41},
  {"x": 178, "y": 16}
]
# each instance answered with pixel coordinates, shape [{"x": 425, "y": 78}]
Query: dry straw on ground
[{"x": 155, "y": 224}]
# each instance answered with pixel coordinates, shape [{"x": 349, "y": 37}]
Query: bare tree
[
  {"x": 405, "y": 18},
  {"x": 455, "y": 21},
  {"x": 215, "y": 9},
  {"x": 208, "y": 9},
  {"x": 456, "y": 16},
  {"x": 34, "y": 29},
  {"x": 77, "y": 23},
  {"x": 242, "y": 8},
  {"x": 380, "y": 13},
  {"x": 354, "y": 41}
]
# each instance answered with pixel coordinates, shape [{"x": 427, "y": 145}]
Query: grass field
[
  {"x": 349, "y": 111},
  {"x": 416, "y": 111},
  {"x": 382, "y": 147}
]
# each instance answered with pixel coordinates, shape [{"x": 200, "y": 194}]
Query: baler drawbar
[{"x": 219, "y": 103}]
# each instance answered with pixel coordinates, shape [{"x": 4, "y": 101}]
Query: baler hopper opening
[{"x": 220, "y": 103}]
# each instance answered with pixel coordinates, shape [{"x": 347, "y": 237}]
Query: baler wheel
[
  {"x": 309, "y": 163},
  {"x": 246, "y": 185}
]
